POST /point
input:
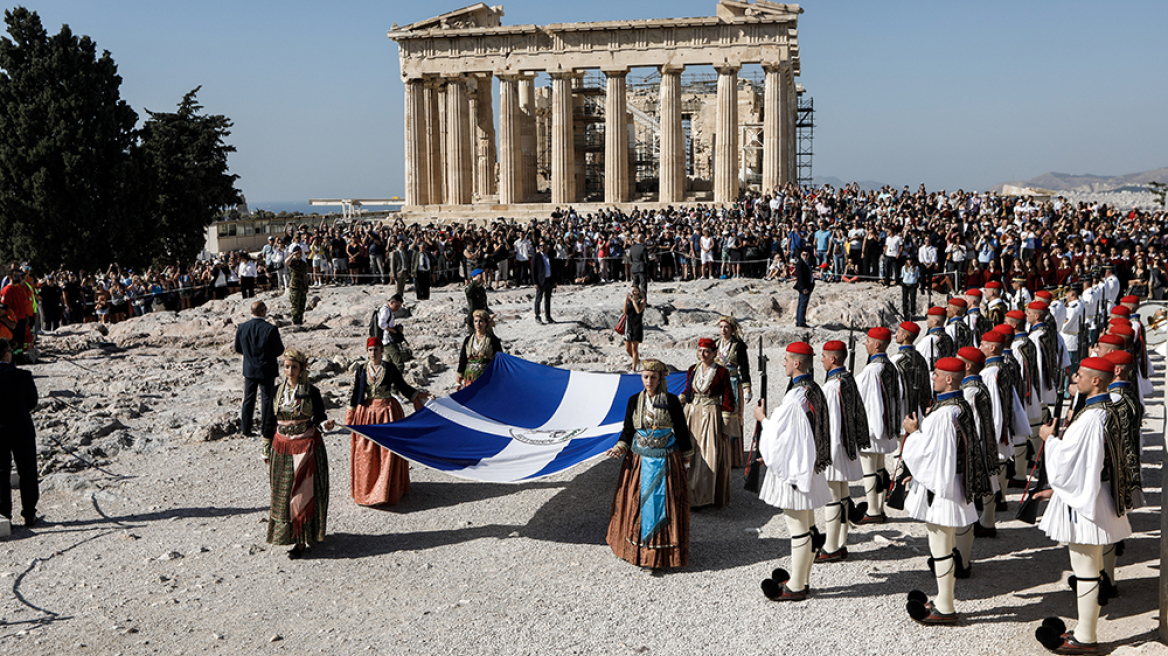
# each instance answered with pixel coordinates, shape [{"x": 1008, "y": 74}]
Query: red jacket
[{"x": 15, "y": 296}]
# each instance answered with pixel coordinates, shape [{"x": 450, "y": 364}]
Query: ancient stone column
[
  {"x": 773, "y": 144},
  {"x": 529, "y": 138},
  {"x": 672, "y": 167},
  {"x": 563, "y": 144},
  {"x": 434, "y": 142},
  {"x": 726, "y": 137},
  {"x": 616, "y": 138},
  {"x": 787, "y": 102},
  {"x": 510, "y": 136},
  {"x": 458, "y": 179},
  {"x": 484, "y": 121},
  {"x": 417, "y": 164}
]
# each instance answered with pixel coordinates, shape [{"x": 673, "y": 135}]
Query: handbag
[{"x": 620, "y": 324}]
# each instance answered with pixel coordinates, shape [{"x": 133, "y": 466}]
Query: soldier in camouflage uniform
[{"x": 297, "y": 284}]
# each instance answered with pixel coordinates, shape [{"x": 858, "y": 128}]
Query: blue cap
[{"x": 475, "y": 272}]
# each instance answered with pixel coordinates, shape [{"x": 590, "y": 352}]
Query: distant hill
[{"x": 1091, "y": 183}]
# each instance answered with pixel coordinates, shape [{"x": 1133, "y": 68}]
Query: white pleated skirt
[
  {"x": 844, "y": 470},
  {"x": 942, "y": 512},
  {"x": 1061, "y": 523},
  {"x": 784, "y": 495},
  {"x": 882, "y": 445}
]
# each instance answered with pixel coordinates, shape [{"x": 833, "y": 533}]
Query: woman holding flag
[{"x": 650, "y": 510}]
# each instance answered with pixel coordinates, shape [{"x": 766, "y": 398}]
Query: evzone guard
[
  {"x": 880, "y": 391},
  {"x": 939, "y": 493},
  {"x": 849, "y": 436},
  {"x": 795, "y": 447}
]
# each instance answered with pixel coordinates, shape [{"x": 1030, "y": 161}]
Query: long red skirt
[
  {"x": 379, "y": 476},
  {"x": 670, "y": 546}
]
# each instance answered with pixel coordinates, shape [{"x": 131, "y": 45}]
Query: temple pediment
[
  {"x": 728, "y": 10},
  {"x": 477, "y": 15}
]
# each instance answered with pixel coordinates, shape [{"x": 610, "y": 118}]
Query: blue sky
[{"x": 951, "y": 94}]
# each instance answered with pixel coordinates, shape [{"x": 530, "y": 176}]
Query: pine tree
[{"x": 184, "y": 155}]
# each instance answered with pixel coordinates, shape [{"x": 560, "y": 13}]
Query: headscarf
[
  {"x": 737, "y": 330},
  {"x": 490, "y": 318},
  {"x": 652, "y": 364},
  {"x": 301, "y": 357}
]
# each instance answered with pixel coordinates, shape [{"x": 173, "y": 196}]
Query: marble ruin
[{"x": 604, "y": 131}]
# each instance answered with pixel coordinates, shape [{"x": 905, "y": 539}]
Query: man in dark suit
[
  {"x": 18, "y": 396},
  {"x": 541, "y": 272},
  {"x": 804, "y": 284},
  {"x": 422, "y": 268},
  {"x": 259, "y": 343}
]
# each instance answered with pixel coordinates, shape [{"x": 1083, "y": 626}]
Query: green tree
[
  {"x": 1159, "y": 191},
  {"x": 66, "y": 140},
  {"x": 184, "y": 157}
]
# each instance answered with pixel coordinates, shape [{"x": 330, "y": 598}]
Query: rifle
[
  {"x": 752, "y": 465},
  {"x": 851, "y": 347}
]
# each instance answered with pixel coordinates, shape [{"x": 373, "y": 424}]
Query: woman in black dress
[{"x": 634, "y": 325}]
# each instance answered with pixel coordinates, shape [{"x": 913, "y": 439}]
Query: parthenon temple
[{"x": 638, "y": 112}]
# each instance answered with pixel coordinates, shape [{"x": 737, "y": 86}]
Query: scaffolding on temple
[{"x": 804, "y": 139}]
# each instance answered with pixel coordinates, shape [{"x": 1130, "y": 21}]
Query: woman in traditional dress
[
  {"x": 379, "y": 476},
  {"x": 478, "y": 349},
  {"x": 707, "y": 395},
  {"x": 650, "y": 510},
  {"x": 634, "y": 324},
  {"x": 297, "y": 463},
  {"x": 732, "y": 354}
]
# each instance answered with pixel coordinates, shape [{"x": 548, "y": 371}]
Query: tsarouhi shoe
[
  {"x": 832, "y": 556},
  {"x": 980, "y": 531},
  {"x": 873, "y": 519},
  {"x": 923, "y": 612},
  {"x": 776, "y": 592},
  {"x": 1053, "y": 635}
]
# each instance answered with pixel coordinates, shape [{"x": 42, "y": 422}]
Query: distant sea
[{"x": 303, "y": 207}]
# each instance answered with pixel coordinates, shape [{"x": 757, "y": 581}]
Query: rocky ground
[{"x": 154, "y": 505}]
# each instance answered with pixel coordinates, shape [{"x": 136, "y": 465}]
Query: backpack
[{"x": 375, "y": 326}]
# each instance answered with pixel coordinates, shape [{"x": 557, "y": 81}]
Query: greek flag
[{"x": 519, "y": 421}]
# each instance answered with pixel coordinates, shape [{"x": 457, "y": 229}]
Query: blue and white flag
[{"x": 517, "y": 422}]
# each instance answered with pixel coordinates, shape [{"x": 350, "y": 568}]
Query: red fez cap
[
  {"x": 800, "y": 348},
  {"x": 993, "y": 284},
  {"x": 952, "y": 365},
  {"x": 1121, "y": 310},
  {"x": 996, "y": 337},
  {"x": 1125, "y": 331},
  {"x": 835, "y": 345},
  {"x": 1119, "y": 321},
  {"x": 1119, "y": 357},
  {"x": 1006, "y": 329},
  {"x": 957, "y": 301},
  {"x": 1113, "y": 340},
  {"x": 1041, "y": 306},
  {"x": 707, "y": 343},
  {"x": 1044, "y": 295},
  {"x": 1098, "y": 364},
  {"x": 1130, "y": 299},
  {"x": 911, "y": 326},
  {"x": 973, "y": 292},
  {"x": 972, "y": 354},
  {"x": 880, "y": 333},
  {"x": 372, "y": 341},
  {"x": 1016, "y": 314},
  {"x": 936, "y": 310}
]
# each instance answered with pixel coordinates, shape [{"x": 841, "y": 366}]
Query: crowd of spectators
[{"x": 937, "y": 241}]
